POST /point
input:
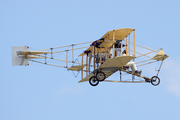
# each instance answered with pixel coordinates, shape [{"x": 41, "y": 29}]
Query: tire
[
  {"x": 100, "y": 76},
  {"x": 155, "y": 80},
  {"x": 93, "y": 81}
]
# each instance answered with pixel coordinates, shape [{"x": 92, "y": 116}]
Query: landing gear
[
  {"x": 100, "y": 76},
  {"x": 155, "y": 80},
  {"x": 93, "y": 81}
]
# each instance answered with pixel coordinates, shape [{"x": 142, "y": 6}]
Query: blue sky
[{"x": 41, "y": 92}]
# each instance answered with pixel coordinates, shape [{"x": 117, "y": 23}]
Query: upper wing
[
  {"x": 103, "y": 46},
  {"x": 120, "y": 34},
  {"x": 92, "y": 49},
  {"x": 110, "y": 66}
]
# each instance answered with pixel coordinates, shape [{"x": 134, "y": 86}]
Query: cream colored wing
[
  {"x": 103, "y": 46},
  {"x": 116, "y": 62},
  {"x": 110, "y": 66},
  {"x": 107, "y": 72},
  {"x": 92, "y": 49},
  {"x": 120, "y": 34},
  {"x": 160, "y": 56},
  {"x": 76, "y": 68},
  {"x": 107, "y": 44}
]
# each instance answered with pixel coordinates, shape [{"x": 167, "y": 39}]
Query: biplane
[{"x": 110, "y": 54}]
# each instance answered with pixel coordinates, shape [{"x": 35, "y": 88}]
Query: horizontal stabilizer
[
  {"x": 76, "y": 68},
  {"x": 34, "y": 57},
  {"x": 31, "y": 52},
  {"x": 160, "y": 56}
]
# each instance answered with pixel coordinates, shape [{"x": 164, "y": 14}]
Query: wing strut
[
  {"x": 160, "y": 68},
  {"x": 129, "y": 45},
  {"x": 82, "y": 69},
  {"x": 134, "y": 44},
  {"x": 113, "y": 44},
  {"x": 120, "y": 75}
]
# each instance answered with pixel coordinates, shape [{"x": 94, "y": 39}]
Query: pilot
[{"x": 132, "y": 65}]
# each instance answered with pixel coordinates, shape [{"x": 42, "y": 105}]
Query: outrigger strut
[
  {"x": 160, "y": 68},
  {"x": 155, "y": 80}
]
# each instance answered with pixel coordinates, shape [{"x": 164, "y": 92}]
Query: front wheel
[
  {"x": 93, "y": 81},
  {"x": 155, "y": 80}
]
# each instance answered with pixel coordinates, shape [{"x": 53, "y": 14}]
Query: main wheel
[
  {"x": 155, "y": 80},
  {"x": 93, "y": 81},
  {"x": 100, "y": 76}
]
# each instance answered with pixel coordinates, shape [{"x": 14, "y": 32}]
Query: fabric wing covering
[{"x": 120, "y": 34}]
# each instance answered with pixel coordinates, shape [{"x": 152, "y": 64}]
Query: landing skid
[
  {"x": 155, "y": 80},
  {"x": 125, "y": 81}
]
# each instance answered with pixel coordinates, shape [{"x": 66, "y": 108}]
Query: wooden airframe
[{"x": 103, "y": 57}]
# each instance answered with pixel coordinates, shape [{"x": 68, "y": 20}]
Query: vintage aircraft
[{"x": 105, "y": 56}]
